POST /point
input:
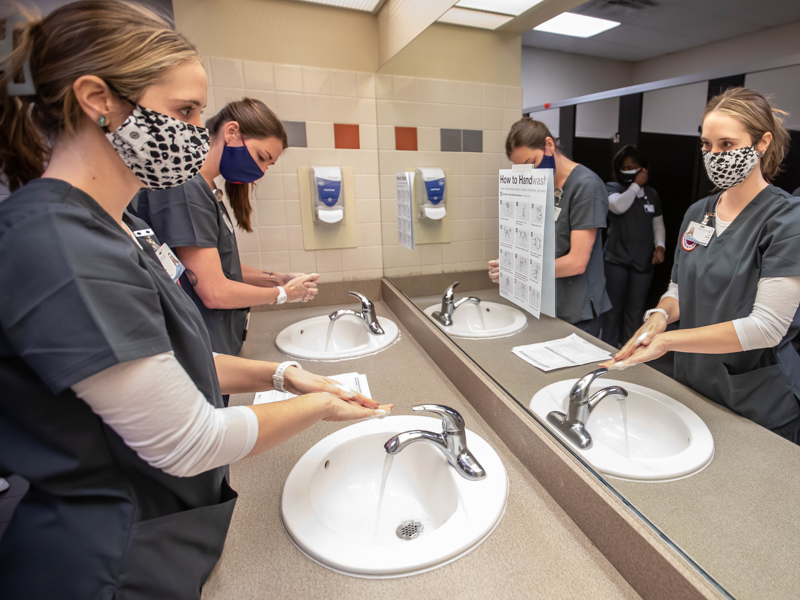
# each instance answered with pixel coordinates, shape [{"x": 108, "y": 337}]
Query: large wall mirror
[{"x": 441, "y": 104}]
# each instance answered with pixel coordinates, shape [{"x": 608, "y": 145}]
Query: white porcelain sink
[
  {"x": 487, "y": 320},
  {"x": 330, "y": 501},
  {"x": 665, "y": 439},
  {"x": 349, "y": 338}
]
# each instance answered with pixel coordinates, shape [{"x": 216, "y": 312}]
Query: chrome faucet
[
  {"x": 367, "y": 314},
  {"x": 452, "y": 441},
  {"x": 573, "y": 424},
  {"x": 445, "y": 316}
]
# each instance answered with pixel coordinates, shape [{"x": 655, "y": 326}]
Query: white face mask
[
  {"x": 730, "y": 168},
  {"x": 628, "y": 176},
  {"x": 162, "y": 151}
]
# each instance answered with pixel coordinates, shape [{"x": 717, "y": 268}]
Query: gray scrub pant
[{"x": 628, "y": 291}]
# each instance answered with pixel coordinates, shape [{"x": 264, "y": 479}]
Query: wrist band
[
  {"x": 277, "y": 378},
  {"x": 656, "y": 310},
  {"x": 281, "y": 296}
]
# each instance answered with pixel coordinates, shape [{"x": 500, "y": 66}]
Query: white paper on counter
[
  {"x": 570, "y": 351},
  {"x": 405, "y": 211},
  {"x": 352, "y": 381}
]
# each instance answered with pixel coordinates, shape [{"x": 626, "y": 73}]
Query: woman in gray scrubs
[
  {"x": 736, "y": 280},
  {"x": 246, "y": 138},
  {"x": 110, "y": 397},
  {"x": 581, "y": 207}
]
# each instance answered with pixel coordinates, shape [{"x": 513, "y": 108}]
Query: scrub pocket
[
  {"x": 172, "y": 556},
  {"x": 762, "y": 395}
]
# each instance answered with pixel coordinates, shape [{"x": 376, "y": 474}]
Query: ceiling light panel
[
  {"x": 576, "y": 25},
  {"x": 474, "y": 18},
  {"x": 365, "y": 5},
  {"x": 506, "y": 7}
]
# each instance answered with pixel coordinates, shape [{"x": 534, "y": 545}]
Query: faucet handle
[
  {"x": 366, "y": 303},
  {"x": 449, "y": 293},
  {"x": 580, "y": 391},
  {"x": 452, "y": 421}
]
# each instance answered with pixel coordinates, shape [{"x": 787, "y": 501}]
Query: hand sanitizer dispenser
[
  {"x": 326, "y": 191},
  {"x": 429, "y": 187}
]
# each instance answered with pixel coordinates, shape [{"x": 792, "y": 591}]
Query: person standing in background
[{"x": 634, "y": 245}]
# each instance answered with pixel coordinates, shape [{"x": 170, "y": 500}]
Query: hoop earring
[{"x": 101, "y": 120}]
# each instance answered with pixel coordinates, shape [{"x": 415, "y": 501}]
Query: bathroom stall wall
[{"x": 314, "y": 66}]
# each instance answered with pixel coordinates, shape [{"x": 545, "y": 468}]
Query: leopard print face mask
[
  {"x": 162, "y": 151},
  {"x": 730, "y": 168}
]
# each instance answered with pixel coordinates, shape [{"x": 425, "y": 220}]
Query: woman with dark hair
[
  {"x": 635, "y": 243},
  {"x": 246, "y": 138}
]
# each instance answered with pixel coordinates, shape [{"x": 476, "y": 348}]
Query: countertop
[
  {"x": 736, "y": 518},
  {"x": 536, "y": 551}
]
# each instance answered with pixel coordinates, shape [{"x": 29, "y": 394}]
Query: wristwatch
[
  {"x": 277, "y": 378},
  {"x": 281, "y": 296},
  {"x": 656, "y": 310}
]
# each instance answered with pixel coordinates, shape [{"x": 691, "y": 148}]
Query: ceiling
[{"x": 651, "y": 28}]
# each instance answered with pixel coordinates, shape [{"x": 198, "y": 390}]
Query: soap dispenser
[
  {"x": 326, "y": 190},
  {"x": 430, "y": 188}
]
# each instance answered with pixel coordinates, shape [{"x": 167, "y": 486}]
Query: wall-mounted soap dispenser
[
  {"x": 429, "y": 187},
  {"x": 326, "y": 190}
]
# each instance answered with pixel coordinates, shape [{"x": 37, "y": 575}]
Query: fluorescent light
[
  {"x": 474, "y": 18},
  {"x": 506, "y": 7},
  {"x": 365, "y": 5},
  {"x": 576, "y": 25}
]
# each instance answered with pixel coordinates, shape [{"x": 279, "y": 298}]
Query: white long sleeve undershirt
[
  {"x": 620, "y": 202},
  {"x": 157, "y": 410}
]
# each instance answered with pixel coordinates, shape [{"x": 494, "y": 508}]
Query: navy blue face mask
[
  {"x": 548, "y": 162},
  {"x": 237, "y": 165}
]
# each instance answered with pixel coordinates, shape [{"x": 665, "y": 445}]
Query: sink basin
[
  {"x": 488, "y": 320},
  {"x": 330, "y": 501},
  {"x": 665, "y": 440},
  {"x": 349, "y": 338}
]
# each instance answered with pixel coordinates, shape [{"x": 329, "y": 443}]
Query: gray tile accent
[
  {"x": 451, "y": 140},
  {"x": 473, "y": 140},
  {"x": 296, "y": 130}
]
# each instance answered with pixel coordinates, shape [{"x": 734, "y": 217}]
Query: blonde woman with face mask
[
  {"x": 110, "y": 397},
  {"x": 736, "y": 279}
]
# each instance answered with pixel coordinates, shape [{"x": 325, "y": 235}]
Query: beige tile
[
  {"x": 494, "y": 141},
  {"x": 367, "y": 111},
  {"x": 404, "y": 88},
  {"x": 453, "y": 253},
  {"x": 363, "y": 275},
  {"x": 409, "y": 114},
  {"x": 428, "y": 139},
  {"x": 325, "y": 157},
  {"x": 316, "y": 81},
  {"x": 331, "y": 277},
  {"x": 268, "y": 98},
  {"x": 457, "y": 230},
  {"x": 206, "y": 62},
  {"x": 292, "y": 210},
  {"x": 494, "y": 95},
  {"x": 388, "y": 186},
  {"x": 223, "y": 95},
  {"x": 473, "y": 230},
  {"x": 290, "y": 107},
  {"x": 471, "y": 117},
  {"x": 290, "y": 191},
  {"x": 369, "y": 234},
  {"x": 270, "y": 187},
  {"x": 318, "y": 108},
  {"x": 453, "y": 162},
  {"x": 319, "y": 135},
  {"x": 383, "y": 86},
  {"x": 450, "y": 92},
  {"x": 293, "y": 158},
  {"x": 367, "y": 187},
  {"x": 431, "y": 269},
  {"x": 294, "y": 237},
  {"x": 389, "y": 211},
  {"x": 491, "y": 231},
  {"x": 275, "y": 261},
  {"x": 492, "y": 119},
  {"x": 357, "y": 259},
  {"x": 473, "y": 94},
  {"x": 390, "y": 259},
  {"x": 386, "y": 112},
  {"x": 473, "y": 162},
  {"x": 473, "y": 209},
  {"x": 344, "y": 83},
  {"x": 259, "y": 75},
  {"x": 369, "y": 162},
  {"x": 368, "y": 211},
  {"x": 368, "y": 136},
  {"x": 428, "y": 90},
  {"x": 273, "y": 239},
  {"x": 366, "y": 85},
  {"x": 473, "y": 251},
  {"x": 329, "y": 260},
  {"x": 492, "y": 162},
  {"x": 271, "y": 213},
  {"x": 512, "y": 97},
  {"x": 386, "y": 137},
  {"x": 226, "y": 72},
  {"x": 247, "y": 242},
  {"x": 408, "y": 258},
  {"x": 251, "y": 259},
  {"x": 510, "y": 116},
  {"x": 432, "y": 254},
  {"x": 302, "y": 261},
  {"x": 344, "y": 109},
  {"x": 288, "y": 78}
]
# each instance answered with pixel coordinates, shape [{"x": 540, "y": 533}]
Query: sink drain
[{"x": 410, "y": 530}]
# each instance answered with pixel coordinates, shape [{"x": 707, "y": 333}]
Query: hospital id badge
[
  {"x": 170, "y": 262},
  {"x": 700, "y": 234},
  {"x": 650, "y": 208},
  {"x": 228, "y": 223},
  {"x": 557, "y": 211}
]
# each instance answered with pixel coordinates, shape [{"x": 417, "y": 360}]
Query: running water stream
[
  {"x": 623, "y": 407},
  {"x": 328, "y": 337},
  {"x": 480, "y": 317},
  {"x": 387, "y": 466}
]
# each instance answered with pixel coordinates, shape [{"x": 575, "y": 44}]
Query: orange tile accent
[
  {"x": 405, "y": 138},
  {"x": 346, "y": 136}
]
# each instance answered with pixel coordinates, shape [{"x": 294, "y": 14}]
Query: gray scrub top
[
  {"x": 80, "y": 296},
  {"x": 584, "y": 205},
  {"x": 191, "y": 216},
  {"x": 718, "y": 283},
  {"x": 630, "y": 240}
]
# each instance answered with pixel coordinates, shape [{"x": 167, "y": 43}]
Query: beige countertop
[
  {"x": 536, "y": 551},
  {"x": 736, "y": 518}
]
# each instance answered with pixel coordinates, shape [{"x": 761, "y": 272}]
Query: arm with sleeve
[{"x": 619, "y": 203}]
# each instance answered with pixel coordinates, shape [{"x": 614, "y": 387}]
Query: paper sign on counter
[{"x": 570, "y": 351}]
